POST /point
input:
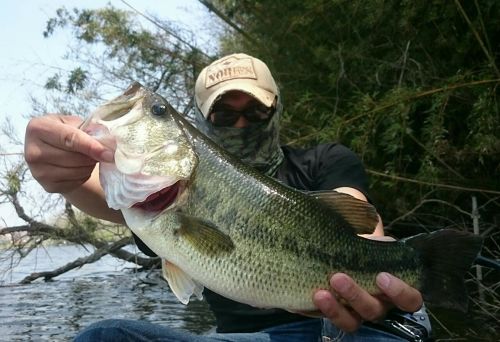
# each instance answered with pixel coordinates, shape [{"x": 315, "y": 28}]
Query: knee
[{"x": 106, "y": 330}]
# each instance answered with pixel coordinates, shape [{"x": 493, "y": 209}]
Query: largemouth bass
[{"x": 217, "y": 223}]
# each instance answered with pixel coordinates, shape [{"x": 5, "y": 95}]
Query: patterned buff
[{"x": 256, "y": 145}]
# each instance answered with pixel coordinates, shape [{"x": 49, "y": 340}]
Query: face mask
[{"x": 256, "y": 145}]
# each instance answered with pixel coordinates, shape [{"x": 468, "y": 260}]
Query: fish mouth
[{"x": 160, "y": 200}]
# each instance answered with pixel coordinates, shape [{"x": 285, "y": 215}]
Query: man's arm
[{"x": 89, "y": 198}]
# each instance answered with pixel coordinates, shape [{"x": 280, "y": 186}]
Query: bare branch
[
  {"x": 486, "y": 52},
  {"x": 99, "y": 253},
  {"x": 165, "y": 29},
  {"x": 228, "y": 21}
]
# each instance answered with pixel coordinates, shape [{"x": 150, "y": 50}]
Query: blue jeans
[{"x": 317, "y": 330}]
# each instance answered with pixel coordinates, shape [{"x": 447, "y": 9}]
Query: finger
[
  {"x": 56, "y": 173},
  {"x": 337, "y": 313},
  {"x": 47, "y": 154},
  {"x": 367, "y": 306},
  {"x": 61, "y": 179},
  {"x": 399, "y": 293},
  {"x": 75, "y": 140},
  {"x": 65, "y": 136}
]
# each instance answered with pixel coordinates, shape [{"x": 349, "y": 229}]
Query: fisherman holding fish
[{"x": 238, "y": 106}]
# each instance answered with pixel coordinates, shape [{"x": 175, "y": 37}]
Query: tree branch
[
  {"x": 165, "y": 29},
  {"x": 487, "y": 53},
  {"x": 228, "y": 21},
  {"x": 99, "y": 253},
  {"x": 438, "y": 185}
]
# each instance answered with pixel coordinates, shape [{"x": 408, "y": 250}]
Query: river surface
[{"x": 109, "y": 288}]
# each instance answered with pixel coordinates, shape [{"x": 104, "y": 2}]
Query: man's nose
[{"x": 241, "y": 123}]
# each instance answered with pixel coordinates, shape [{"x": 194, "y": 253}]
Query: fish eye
[{"x": 158, "y": 109}]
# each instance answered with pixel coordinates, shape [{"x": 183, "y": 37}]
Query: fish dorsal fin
[
  {"x": 181, "y": 284},
  {"x": 361, "y": 215},
  {"x": 204, "y": 236}
]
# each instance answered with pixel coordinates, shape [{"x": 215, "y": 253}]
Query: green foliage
[
  {"x": 411, "y": 86},
  {"x": 76, "y": 80},
  {"x": 53, "y": 82},
  {"x": 13, "y": 182}
]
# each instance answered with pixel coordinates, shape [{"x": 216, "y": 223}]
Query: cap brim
[{"x": 262, "y": 95}]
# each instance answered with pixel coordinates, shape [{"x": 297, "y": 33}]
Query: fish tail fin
[{"x": 446, "y": 255}]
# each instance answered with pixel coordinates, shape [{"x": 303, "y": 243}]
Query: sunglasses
[{"x": 224, "y": 117}]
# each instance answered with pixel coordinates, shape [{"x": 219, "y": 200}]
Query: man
[{"x": 238, "y": 106}]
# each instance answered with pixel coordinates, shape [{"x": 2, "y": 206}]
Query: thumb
[{"x": 74, "y": 139}]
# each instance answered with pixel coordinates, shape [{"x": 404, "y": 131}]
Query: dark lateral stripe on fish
[{"x": 348, "y": 259}]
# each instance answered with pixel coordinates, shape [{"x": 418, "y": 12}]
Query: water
[{"x": 57, "y": 310}]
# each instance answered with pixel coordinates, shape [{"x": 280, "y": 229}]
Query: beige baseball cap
[{"x": 235, "y": 72}]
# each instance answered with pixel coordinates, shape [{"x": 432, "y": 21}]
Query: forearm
[
  {"x": 89, "y": 198},
  {"x": 379, "y": 229}
]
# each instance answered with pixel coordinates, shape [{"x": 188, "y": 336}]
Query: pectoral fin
[
  {"x": 181, "y": 284},
  {"x": 204, "y": 236},
  {"x": 361, "y": 215}
]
